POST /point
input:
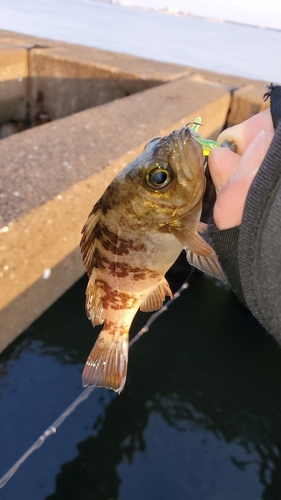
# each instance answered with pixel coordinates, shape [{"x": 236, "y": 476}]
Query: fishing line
[
  {"x": 48, "y": 432},
  {"x": 154, "y": 316},
  {"x": 86, "y": 393}
]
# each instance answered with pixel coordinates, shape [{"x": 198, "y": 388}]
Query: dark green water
[{"x": 199, "y": 418}]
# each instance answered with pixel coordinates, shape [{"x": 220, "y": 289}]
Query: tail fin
[{"x": 106, "y": 365}]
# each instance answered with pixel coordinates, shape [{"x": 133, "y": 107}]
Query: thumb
[{"x": 231, "y": 198}]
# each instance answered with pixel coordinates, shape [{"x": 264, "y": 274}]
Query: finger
[
  {"x": 254, "y": 155},
  {"x": 244, "y": 133},
  {"x": 228, "y": 209},
  {"x": 222, "y": 165}
]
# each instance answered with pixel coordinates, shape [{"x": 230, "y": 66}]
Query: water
[
  {"x": 226, "y": 48},
  {"x": 200, "y": 415}
]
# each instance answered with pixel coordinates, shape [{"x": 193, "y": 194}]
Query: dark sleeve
[
  {"x": 251, "y": 254},
  {"x": 225, "y": 242}
]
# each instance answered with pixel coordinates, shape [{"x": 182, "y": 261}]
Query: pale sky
[{"x": 265, "y": 13}]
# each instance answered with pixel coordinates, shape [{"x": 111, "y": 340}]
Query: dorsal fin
[
  {"x": 90, "y": 233},
  {"x": 94, "y": 304}
]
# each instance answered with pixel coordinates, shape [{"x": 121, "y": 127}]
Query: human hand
[{"x": 233, "y": 173}]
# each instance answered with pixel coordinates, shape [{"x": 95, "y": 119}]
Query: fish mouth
[{"x": 185, "y": 140}]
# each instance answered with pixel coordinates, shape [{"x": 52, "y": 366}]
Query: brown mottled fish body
[{"x": 135, "y": 232}]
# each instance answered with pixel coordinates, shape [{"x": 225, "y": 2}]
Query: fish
[{"x": 147, "y": 215}]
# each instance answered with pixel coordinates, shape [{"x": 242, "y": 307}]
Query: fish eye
[{"x": 159, "y": 176}]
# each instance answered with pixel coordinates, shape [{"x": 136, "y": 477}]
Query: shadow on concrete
[{"x": 54, "y": 98}]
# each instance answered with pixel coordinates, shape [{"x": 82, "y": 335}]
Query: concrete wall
[
  {"x": 54, "y": 80},
  {"x": 13, "y": 82},
  {"x": 68, "y": 79},
  {"x": 51, "y": 175}
]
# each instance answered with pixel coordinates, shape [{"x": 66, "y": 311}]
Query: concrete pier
[{"x": 96, "y": 110}]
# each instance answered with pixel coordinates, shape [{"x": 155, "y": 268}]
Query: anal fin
[
  {"x": 155, "y": 297},
  {"x": 106, "y": 365}
]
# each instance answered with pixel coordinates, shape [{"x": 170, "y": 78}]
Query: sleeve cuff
[{"x": 225, "y": 243}]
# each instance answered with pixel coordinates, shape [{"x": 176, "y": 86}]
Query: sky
[{"x": 254, "y": 12}]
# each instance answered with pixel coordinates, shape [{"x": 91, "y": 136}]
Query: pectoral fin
[
  {"x": 202, "y": 227},
  {"x": 209, "y": 265},
  {"x": 199, "y": 253},
  {"x": 155, "y": 297}
]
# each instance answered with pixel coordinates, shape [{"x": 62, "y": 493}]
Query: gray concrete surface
[{"x": 51, "y": 175}]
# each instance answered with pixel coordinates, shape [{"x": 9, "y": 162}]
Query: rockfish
[{"x": 135, "y": 232}]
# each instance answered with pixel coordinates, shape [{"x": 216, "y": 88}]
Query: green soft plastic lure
[{"x": 208, "y": 144}]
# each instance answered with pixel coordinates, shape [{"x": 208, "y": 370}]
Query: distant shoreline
[{"x": 174, "y": 11}]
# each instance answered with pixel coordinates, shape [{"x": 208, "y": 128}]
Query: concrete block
[
  {"x": 69, "y": 78},
  {"x": 52, "y": 175},
  {"x": 13, "y": 82},
  {"x": 25, "y": 41},
  {"x": 246, "y": 102},
  {"x": 230, "y": 82},
  {"x": 65, "y": 78}
]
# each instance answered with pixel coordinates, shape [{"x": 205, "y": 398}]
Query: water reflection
[{"x": 206, "y": 368}]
